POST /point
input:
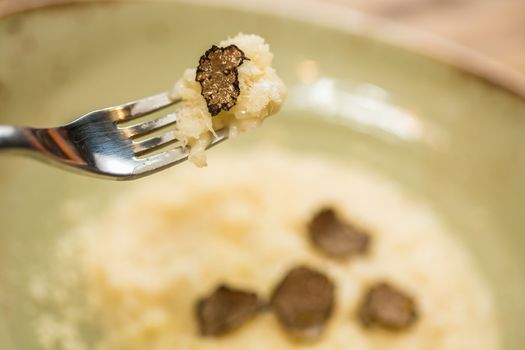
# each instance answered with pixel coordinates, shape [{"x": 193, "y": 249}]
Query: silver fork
[{"x": 99, "y": 144}]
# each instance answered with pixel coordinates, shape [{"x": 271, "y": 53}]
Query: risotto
[
  {"x": 131, "y": 278},
  {"x": 259, "y": 94}
]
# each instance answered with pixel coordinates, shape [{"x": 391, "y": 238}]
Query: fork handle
[{"x": 13, "y": 137}]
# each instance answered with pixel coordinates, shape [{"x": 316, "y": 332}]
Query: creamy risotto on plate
[{"x": 266, "y": 250}]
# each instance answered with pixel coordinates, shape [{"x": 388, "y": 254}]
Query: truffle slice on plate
[
  {"x": 335, "y": 237},
  {"x": 385, "y": 306},
  {"x": 303, "y": 302},
  {"x": 226, "y": 309}
]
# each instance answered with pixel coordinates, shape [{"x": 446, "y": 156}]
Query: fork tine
[
  {"x": 220, "y": 135},
  {"x": 172, "y": 156},
  {"x": 160, "y": 161},
  {"x": 142, "y": 107},
  {"x": 169, "y": 137},
  {"x": 153, "y": 142},
  {"x": 150, "y": 126}
]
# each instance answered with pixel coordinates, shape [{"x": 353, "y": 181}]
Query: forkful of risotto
[{"x": 232, "y": 90}]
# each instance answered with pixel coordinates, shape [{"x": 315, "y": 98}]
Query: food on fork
[
  {"x": 219, "y": 77},
  {"x": 235, "y": 84},
  {"x": 234, "y": 87}
]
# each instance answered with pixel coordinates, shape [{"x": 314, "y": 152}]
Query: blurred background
[{"x": 495, "y": 28}]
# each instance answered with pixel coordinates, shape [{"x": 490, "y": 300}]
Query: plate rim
[{"x": 342, "y": 17}]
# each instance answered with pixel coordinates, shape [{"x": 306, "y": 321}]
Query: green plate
[{"x": 448, "y": 137}]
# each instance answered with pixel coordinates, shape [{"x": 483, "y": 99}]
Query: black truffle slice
[
  {"x": 303, "y": 302},
  {"x": 386, "y": 307},
  {"x": 335, "y": 237},
  {"x": 225, "y": 310},
  {"x": 219, "y": 78}
]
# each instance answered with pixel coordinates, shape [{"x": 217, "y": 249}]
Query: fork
[{"x": 103, "y": 144}]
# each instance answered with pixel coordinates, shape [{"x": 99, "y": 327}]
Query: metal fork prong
[
  {"x": 153, "y": 142},
  {"x": 142, "y": 107},
  {"x": 173, "y": 156},
  {"x": 149, "y": 126},
  {"x": 220, "y": 135},
  {"x": 161, "y": 161}
]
